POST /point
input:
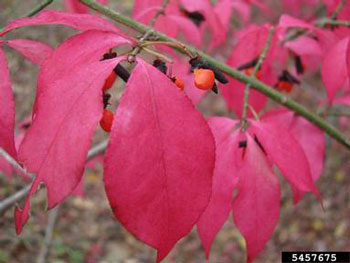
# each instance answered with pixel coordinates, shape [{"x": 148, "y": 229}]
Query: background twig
[
  {"x": 252, "y": 76},
  {"x": 9, "y": 201},
  {"x": 44, "y": 251}
]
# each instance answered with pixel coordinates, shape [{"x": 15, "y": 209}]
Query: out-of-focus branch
[
  {"x": 44, "y": 251},
  {"x": 9, "y": 201}
]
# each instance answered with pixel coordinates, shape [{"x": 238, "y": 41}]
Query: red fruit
[
  {"x": 204, "y": 78},
  {"x": 109, "y": 81},
  {"x": 107, "y": 120},
  {"x": 284, "y": 86}
]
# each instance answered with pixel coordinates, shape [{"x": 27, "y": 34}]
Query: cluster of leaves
[{"x": 167, "y": 168}]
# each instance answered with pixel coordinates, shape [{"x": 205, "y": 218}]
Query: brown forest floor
[{"x": 86, "y": 230}]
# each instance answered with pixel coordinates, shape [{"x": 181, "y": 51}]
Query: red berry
[
  {"x": 204, "y": 78},
  {"x": 107, "y": 120}
]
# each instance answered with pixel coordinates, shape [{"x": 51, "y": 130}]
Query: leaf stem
[
  {"x": 252, "y": 77},
  {"x": 261, "y": 87}
]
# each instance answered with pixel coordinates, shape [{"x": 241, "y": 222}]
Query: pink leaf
[
  {"x": 224, "y": 181},
  {"x": 257, "y": 204},
  {"x": 7, "y": 109},
  {"x": 310, "y": 138},
  {"x": 334, "y": 69},
  {"x": 189, "y": 29},
  {"x": 76, "y": 21},
  {"x": 95, "y": 44},
  {"x": 159, "y": 162},
  {"x": 67, "y": 110},
  {"x": 286, "y": 153},
  {"x": 248, "y": 48},
  {"x": 34, "y": 51}
]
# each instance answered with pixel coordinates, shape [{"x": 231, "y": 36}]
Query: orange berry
[
  {"x": 284, "y": 86},
  {"x": 204, "y": 78},
  {"x": 107, "y": 120},
  {"x": 109, "y": 81},
  {"x": 179, "y": 83}
]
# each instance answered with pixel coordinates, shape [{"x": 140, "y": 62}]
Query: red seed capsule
[
  {"x": 107, "y": 120},
  {"x": 109, "y": 81},
  {"x": 204, "y": 78},
  {"x": 179, "y": 83},
  {"x": 284, "y": 86}
]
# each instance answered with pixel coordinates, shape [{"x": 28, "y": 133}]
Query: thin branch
[
  {"x": 137, "y": 49},
  {"x": 44, "y": 251},
  {"x": 18, "y": 196},
  {"x": 261, "y": 87},
  {"x": 338, "y": 9},
  {"x": 252, "y": 77},
  {"x": 329, "y": 22},
  {"x": 14, "y": 163},
  {"x": 321, "y": 23},
  {"x": 9, "y": 201},
  {"x": 40, "y": 7}
]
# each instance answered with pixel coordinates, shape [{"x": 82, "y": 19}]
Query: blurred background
[{"x": 86, "y": 230}]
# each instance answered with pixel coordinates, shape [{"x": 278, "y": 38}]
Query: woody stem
[
  {"x": 256, "y": 84},
  {"x": 252, "y": 77}
]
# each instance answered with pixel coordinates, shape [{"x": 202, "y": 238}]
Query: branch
[
  {"x": 329, "y": 22},
  {"x": 44, "y": 251},
  {"x": 14, "y": 163},
  {"x": 137, "y": 49},
  {"x": 9, "y": 201},
  {"x": 261, "y": 87},
  {"x": 252, "y": 77},
  {"x": 40, "y": 7},
  {"x": 338, "y": 9}
]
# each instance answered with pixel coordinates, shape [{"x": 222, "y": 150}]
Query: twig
[
  {"x": 338, "y": 9},
  {"x": 9, "y": 201},
  {"x": 329, "y": 22},
  {"x": 256, "y": 84},
  {"x": 36, "y": 10},
  {"x": 14, "y": 163},
  {"x": 321, "y": 23},
  {"x": 138, "y": 48},
  {"x": 252, "y": 77},
  {"x": 44, "y": 251},
  {"x": 40, "y": 7}
]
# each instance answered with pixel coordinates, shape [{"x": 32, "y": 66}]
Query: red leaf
[
  {"x": 224, "y": 181},
  {"x": 248, "y": 48},
  {"x": 159, "y": 161},
  {"x": 95, "y": 44},
  {"x": 7, "y": 109},
  {"x": 334, "y": 69},
  {"x": 257, "y": 204},
  {"x": 286, "y": 153},
  {"x": 76, "y": 21},
  {"x": 310, "y": 138},
  {"x": 34, "y": 51},
  {"x": 67, "y": 110}
]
